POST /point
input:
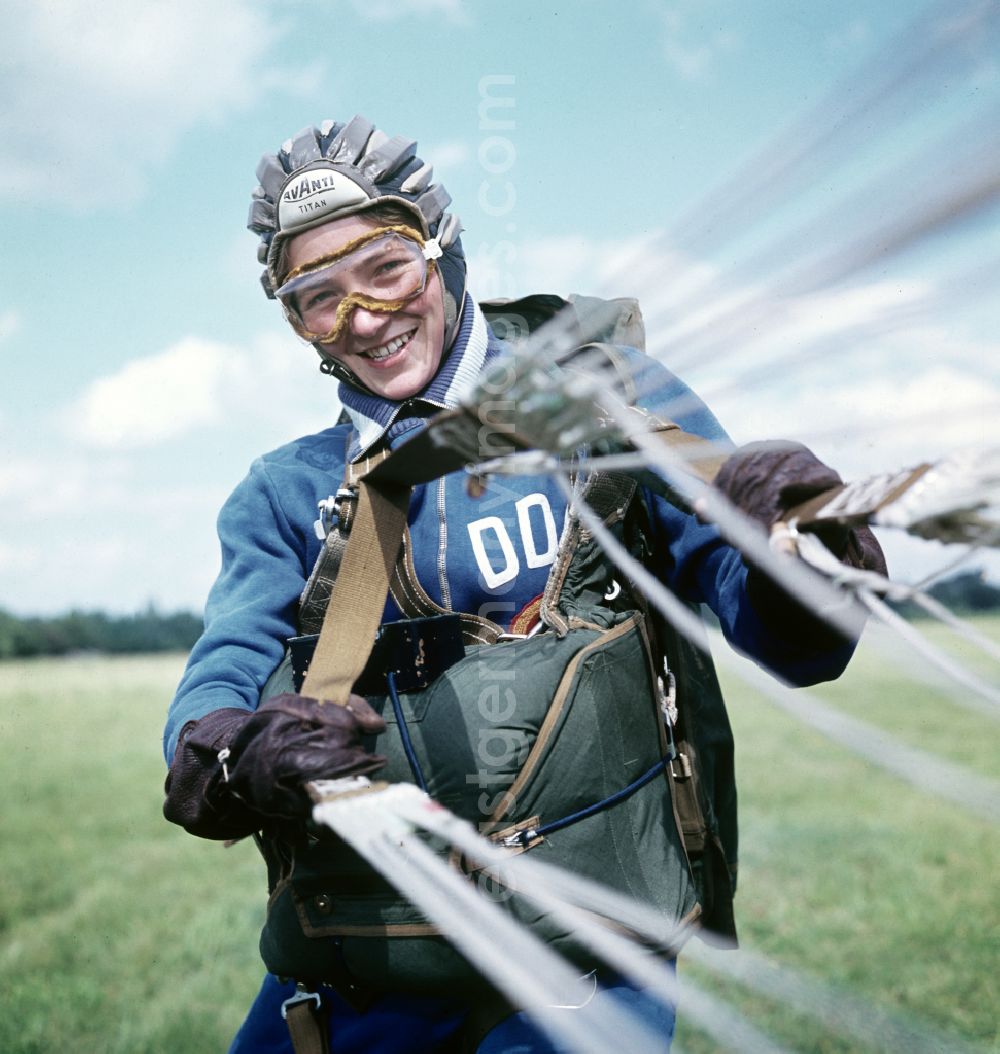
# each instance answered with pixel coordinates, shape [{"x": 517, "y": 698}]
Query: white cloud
[
  {"x": 44, "y": 490},
  {"x": 10, "y": 323},
  {"x": 874, "y": 422},
  {"x": 104, "y": 90},
  {"x": 642, "y": 267},
  {"x": 446, "y": 155},
  {"x": 126, "y": 535},
  {"x": 820, "y": 315},
  {"x": 17, "y": 554},
  {"x": 851, "y": 37},
  {"x": 509, "y": 269},
  {"x": 159, "y": 397},
  {"x": 383, "y": 10},
  {"x": 198, "y": 384},
  {"x": 129, "y": 502},
  {"x": 693, "y": 52}
]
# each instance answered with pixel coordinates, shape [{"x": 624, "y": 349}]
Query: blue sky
[{"x": 144, "y": 369}]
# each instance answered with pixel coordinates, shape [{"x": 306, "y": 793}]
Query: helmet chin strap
[
  {"x": 452, "y": 318},
  {"x": 335, "y": 368}
]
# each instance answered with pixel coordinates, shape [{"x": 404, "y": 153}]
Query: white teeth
[{"x": 389, "y": 349}]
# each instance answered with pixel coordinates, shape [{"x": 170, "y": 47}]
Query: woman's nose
[{"x": 365, "y": 323}]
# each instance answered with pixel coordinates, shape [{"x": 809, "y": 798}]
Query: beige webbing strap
[
  {"x": 415, "y": 602},
  {"x": 307, "y": 1028},
  {"x": 316, "y": 594},
  {"x": 859, "y": 501},
  {"x": 701, "y": 456},
  {"x": 355, "y": 610}
]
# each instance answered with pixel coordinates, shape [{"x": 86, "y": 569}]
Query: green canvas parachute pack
[{"x": 601, "y": 744}]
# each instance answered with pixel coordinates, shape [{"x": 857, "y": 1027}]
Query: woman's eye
[
  {"x": 316, "y": 300},
  {"x": 390, "y": 266}
]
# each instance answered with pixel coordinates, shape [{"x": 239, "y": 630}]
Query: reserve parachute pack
[{"x": 601, "y": 744}]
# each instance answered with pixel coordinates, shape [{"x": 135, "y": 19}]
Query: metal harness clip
[
  {"x": 667, "y": 695},
  {"x": 330, "y": 507},
  {"x": 519, "y": 839},
  {"x": 302, "y": 995}
]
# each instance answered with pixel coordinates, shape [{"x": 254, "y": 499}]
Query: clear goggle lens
[{"x": 380, "y": 271}]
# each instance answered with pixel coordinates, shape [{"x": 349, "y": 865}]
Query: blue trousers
[{"x": 400, "y": 1024}]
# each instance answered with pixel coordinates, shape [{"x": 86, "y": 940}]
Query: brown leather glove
[
  {"x": 767, "y": 480},
  {"x": 273, "y": 752},
  {"x": 293, "y": 739},
  {"x": 197, "y": 796}
]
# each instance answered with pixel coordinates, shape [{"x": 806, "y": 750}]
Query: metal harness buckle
[
  {"x": 331, "y": 506},
  {"x": 519, "y": 839},
  {"x": 666, "y": 694},
  {"x": 507, "y": 636},
  {"x": 302, "y": 995}
]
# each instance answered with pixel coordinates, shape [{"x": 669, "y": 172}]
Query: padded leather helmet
[{"x": 335, "y": 170}]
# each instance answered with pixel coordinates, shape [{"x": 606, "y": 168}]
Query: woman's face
[{"x": 394, "y": 354}]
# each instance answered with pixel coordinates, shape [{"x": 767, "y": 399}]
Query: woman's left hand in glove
[{"x": 767, "y": 480}]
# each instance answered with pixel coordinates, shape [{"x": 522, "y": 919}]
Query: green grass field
[{"x": 120, "y": 933}]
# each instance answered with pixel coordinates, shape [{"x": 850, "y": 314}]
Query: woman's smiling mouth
[{"x": 384, "y": 352}]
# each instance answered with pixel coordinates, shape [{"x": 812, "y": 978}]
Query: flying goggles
[{"x": 382, "y": 270}]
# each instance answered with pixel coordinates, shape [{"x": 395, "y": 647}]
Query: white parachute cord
[
  {"x": 929, "y": 773},
  {"x": 867, "y": 584},
  {"x": 893, "y": 84},
  {"x": 910, "y": 218},
  {"x": 960, "y": 626},
  {"x": 871, "y": 429},
  {"x": 836, "y": 606},
  {"x": 612, "y": 1028},
  {"x": 937, "y": 50},
  {"x": 838, "y": 609},
  {"x": 723, "y": 1024},
  {"x": 812, "y": 550},
  {"x": 529, "y": 973},
  {"x": 839, "y": 1011},
  {"x": 972, "y": 550},
  {"x": 828, "y": 587},
  {"x": 976, "y": 794},
  {"x": 934, "y": 50},
  {"x": 986, "y": 699},
  {"x": 562, "y": 894},
  {"x": 519, "y": 871},
  {"x": 756, "y": 370},
  {"x": 951, "y": 501}
]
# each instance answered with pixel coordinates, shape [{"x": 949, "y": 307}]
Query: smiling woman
[{"x": 535, "y": 732}]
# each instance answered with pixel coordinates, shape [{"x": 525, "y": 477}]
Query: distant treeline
[
  {"x": 144, "y": 631},
  {"x": 967, "y": 593}
]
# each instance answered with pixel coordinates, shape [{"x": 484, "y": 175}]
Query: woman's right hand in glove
[
  {"x": 234, "y": 770},
  {"x": 293, "y": 739}
]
